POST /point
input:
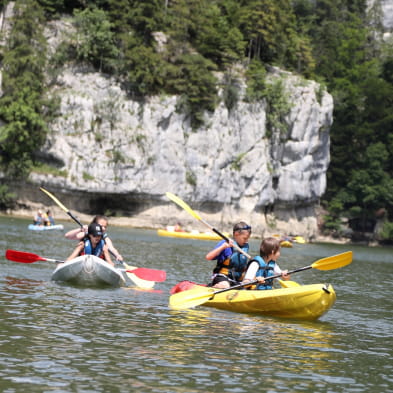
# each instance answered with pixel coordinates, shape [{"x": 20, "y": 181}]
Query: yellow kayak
[
  {"x": 306, "y": 302},
  {"x": 189, "y": 235},
  {"x": 286, "y": 243}
]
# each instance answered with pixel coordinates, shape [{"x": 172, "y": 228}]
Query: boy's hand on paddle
[
  {"x": 285, "y": 275},
  {"x": 227, "y": 244}
]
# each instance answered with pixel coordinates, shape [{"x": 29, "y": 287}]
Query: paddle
[
  {"x": 197, "y": 296},
  {"x": 143, "y": 277},
  {"x": 188, "y": 209},
  {"x": 61, "y": 206},
  {"x": 28, "y": 257}
]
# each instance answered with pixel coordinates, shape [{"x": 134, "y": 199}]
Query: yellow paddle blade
[
  {"x": 334, "y": 262},
  {"x": 182, "y": 204},
  {"x": 54, "y": 198},
  {"x": 191, "y": 298},
  {"x": 288, "y": 284}
]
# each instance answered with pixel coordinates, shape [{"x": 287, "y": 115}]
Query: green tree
[
  {"x": 256, "y": 81},
  {"x": 23, "y": 107},
  {"x": 370, "y": 187},
  {"x": 95, "y": 42},
  {"x": 147, "y": 71},
  {"x": 273, "y": 35},
  {"x": 214, "y": 36},
  {"x": 7, "y": 198},
  {"x": 197, "y": 87},
  {"x": 359, "y": 176}
]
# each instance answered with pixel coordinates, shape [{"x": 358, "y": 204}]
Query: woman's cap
[{"x": 95, "y": 229}]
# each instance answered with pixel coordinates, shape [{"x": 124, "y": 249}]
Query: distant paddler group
[{"x": 44, "y": 221}]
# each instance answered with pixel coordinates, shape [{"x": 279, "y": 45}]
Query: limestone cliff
[
  {"x": 110, "y": 145},
  {"x": 122, "y": 155}
]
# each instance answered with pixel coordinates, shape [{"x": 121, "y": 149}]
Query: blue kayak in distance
[{"x": 33, "y": 227}]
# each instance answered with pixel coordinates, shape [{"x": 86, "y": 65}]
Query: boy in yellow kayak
[
  {"x": 231, "y": 264},
  {"x": 265, "y": 265}
]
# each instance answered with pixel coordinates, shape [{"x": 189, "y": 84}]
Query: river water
[{"x": 59, "y": 338}]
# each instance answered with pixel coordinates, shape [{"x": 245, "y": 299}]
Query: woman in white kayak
[
  {"x": 92, "y": 244},
  {"x": 265, "y": 265},
  {"x": 80, "y": 233}
]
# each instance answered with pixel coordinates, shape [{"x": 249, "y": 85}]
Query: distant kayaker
[
  {"x": 80, "y": 233},
  {"x": 265, "y": 265},
  {"x": 178, "y": 227},
  {"x": 40, "y": 218},
  {"x": 92, "y": 244},
  {"x": 231, "y": 264},
  {"x": 50, "y": 218}
]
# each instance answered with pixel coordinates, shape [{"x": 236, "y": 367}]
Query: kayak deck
[
  {"x": 88, "y": 271},
  {"x": 306, "y": 302}
]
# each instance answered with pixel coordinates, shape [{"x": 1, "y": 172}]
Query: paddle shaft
[
  {"x": 75, "y": 219},
  {"x": 187, "y": 208},
  {"x": 256, "y": 281},
  {"x": 227, "y": 239}
]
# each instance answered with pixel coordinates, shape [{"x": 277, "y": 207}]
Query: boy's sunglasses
[{"x": 245, "y": 228}]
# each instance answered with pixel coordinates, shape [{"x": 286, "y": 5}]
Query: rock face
[
  {"x": 118, "y": 154},
  {"x": 387, "y": 12},
  {"x": 114, "y": 148}
]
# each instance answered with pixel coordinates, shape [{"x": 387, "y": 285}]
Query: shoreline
[{"x": 124, "y": 221}]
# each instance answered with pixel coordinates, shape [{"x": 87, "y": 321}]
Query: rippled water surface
[{"x": 59, "y": 338}]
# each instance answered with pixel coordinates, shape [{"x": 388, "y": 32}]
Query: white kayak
[
  {"x": 33, "y": 227},
  {"x": 89, "y": 271}
]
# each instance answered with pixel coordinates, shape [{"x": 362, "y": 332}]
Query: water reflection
[
  {"x": 271, "y": 344},
  {"x": 17, "y": 285}
]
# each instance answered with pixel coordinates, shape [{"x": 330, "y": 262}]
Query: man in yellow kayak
[
  {"x": 231, "y": 264},
  {"x": 265, "y": 265}
]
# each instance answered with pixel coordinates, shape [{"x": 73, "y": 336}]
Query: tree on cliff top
[{"x": 23, "y": 107}]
